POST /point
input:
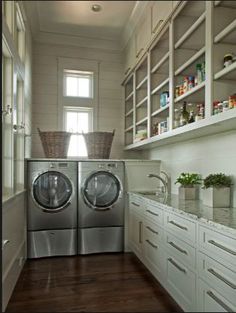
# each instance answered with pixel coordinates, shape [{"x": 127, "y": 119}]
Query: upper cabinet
[
  {"x": 129, "y": 56},
  {"x": 159, "y": 13},
  {"x": 142, "y": 35}
]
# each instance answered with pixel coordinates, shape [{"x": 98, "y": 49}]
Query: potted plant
[
  {"x": 188, "y": 189},
  {"x": 217, "y": 190}
]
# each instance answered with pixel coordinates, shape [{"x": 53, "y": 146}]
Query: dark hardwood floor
[{"x": 94, "y": 283}]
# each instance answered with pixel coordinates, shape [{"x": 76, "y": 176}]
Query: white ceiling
[{"x": 76, "y": 17}]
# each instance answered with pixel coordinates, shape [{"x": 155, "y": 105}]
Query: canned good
[
  {"x": 191, "y": 82},
  {"x": 232, "y": 101},
  {"x": 185, "y": 84},
  {"x": 215, "y": 107},
  {"x": 177, "y": 91}
]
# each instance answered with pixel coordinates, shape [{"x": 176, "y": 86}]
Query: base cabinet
[{"x": 136, "y": 226}]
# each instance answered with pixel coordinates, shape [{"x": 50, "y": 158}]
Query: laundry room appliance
[
  {"x": 101, "y": 207},
  {"x": 52, "y": 208}
]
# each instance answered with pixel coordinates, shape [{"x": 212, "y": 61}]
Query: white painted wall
[
  {"x": 205, "y": 155},
  {"x": 45, "y": 84}
]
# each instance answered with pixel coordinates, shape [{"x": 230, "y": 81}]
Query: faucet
[{"x": 164, "y": 181}]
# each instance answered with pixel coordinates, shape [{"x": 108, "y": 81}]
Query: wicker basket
[
  {"x": 55, "y": 143},
  {"x": 99, "y": 144}
]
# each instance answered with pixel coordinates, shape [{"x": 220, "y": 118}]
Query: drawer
[
  {"x": 220, "y": 277},
  {"x": 153, "y": 232},
  {"x": 136, "y": 204},
  {"x": 210, "y": 300},
  {"x": 154, "y": 214},
  {"x": 181, "y": 227},
  {"x": 181, "y": 283},
  {"x": 183, "y": 251},
  {"x": 217, "y": 245}
]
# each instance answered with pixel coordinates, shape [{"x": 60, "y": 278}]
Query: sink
[{"x": 149, "y": 193}]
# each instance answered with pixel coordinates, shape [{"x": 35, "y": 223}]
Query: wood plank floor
[{"x": 93, "y": 283}]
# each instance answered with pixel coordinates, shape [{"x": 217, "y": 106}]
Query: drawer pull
[
  {"x": 177, "y": 248},
  {"x": 155, "y": 214},
  {"x": 5, "y": 242},
  {"x": 157, "y": 25},
  {"x": 151, "y": 244},
  {"x": 219, "y": 301},
  {"x": 140, "y": 232},
  {"x": 178, "y": 225},
  {"x": 210, "y": 270},
  {"x": 135, "y": 204},
  {"x": 152, "y": 230},
  {"x": 177, "y": 266},
  {"x": 218, "y": 245}
]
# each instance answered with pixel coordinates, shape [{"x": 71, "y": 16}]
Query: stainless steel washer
[
  {"x": 101, "y": 207},
  {"x": 52, "y": 208}
]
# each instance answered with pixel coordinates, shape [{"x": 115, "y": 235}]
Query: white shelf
[
  {"x": 129, "y": 96},
  {"x": 228, "y": 29},
  {"x": 141, "y": 102},
  {"x": 218, "y": 123},
  {"x": 166, "y": 81},
  {"x": 190, "y": 92},
  {"x": 195, "y": 25},
  {"x": 129, "y": 112},
  {"x": 141, "y": 83},
  {"x": 142, "y": 121},
  {"x": 228, "y": 72},
  {"x": 157, "y": 112},
  {"x": 190, "y": 61},
  {"x": 159, "y": 64},
  {"x": 129, "y": 129}
]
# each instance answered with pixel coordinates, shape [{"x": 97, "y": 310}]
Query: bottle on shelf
[
  {"x": 191, "y": 117},
  {"x": 184, "y": 115},
  {"x": 200, "y": 112},
  {"x": 199, "y": 73},
  {"x": 177, "y": 119}
]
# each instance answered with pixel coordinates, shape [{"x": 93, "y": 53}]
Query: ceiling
[{"x": 76, "y": 17}]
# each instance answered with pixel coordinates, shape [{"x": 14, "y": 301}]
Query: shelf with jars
[{"x": 178, "y": 102}]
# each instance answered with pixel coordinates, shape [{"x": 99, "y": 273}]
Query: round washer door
[
  {"x": 52, "y": 191},
  {"x": 101, "y": 190}
]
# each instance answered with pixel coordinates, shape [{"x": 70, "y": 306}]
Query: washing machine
[
  {"x": 100, "y": 207},
  {"x": 52, "y": 208}
]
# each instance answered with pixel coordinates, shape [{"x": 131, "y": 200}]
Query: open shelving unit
[{"x": 199, "y": 32}]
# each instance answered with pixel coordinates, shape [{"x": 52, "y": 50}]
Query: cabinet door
[
  {"x": 129, "y": 55},
  {"x": 136, "y": 229},
  {"x": 142, "y": 36},
  {"x": 160, "y": 11}
]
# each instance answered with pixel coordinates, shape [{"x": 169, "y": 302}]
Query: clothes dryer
[{"x": 52, "y": 208}]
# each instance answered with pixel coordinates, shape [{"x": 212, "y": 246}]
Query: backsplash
[{"x": 205, "y": 155}]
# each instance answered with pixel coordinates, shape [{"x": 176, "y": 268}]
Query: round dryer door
[
  {"x": 52, "y": 191},
  {"x": 101, "y": 190}
]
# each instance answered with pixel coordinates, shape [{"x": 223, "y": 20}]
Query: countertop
[{"x": 220, "y": 218}]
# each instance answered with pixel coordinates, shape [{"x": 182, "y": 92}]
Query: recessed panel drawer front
[
  {"x": 183, "y": 251},
  {"x": 136, "y": 204},
  {"x": 181, "y": 227},
  {"x": 218, "y": 245},
  {"x": 153, "y": 233},
  {"x": 181, "y": 283},
  {"x": 220, "y": 277},
  {"x": 212, "y": 301},
  {"x": 154, "y": 214}
]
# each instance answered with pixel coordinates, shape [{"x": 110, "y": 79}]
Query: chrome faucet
[{"x": 164, "y": 182}]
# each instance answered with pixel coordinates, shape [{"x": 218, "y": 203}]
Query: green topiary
[
  {"x": 217, "y": 180},
  {"x": 189, "y": 179}
]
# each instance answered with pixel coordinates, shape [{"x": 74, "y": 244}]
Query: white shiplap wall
[
  {"x": 45, "y": 102},
  {"x": 205, "y": 155}
]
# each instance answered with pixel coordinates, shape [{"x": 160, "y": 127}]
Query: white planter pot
[
  {"x": 217, "y": 197},
  {"x": 188, "y": 193}
]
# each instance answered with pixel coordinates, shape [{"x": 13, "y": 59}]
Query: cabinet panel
[
  {"x": 181, "y": 283},
  {"x": 211, "y": 301},
  {"x": 142, "y": 36},
  {"x": 154, "y": 214},
  {"x": 160, "y": 11},
  {"x": 136, "y": 233},
  {"x": 129, "y": 55}
]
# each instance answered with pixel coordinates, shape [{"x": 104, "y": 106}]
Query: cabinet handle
[
  {"x": 155, "y": 214},
  {"x": 177, "y": 248},
  {"x": 177, "y": 266},
  {"x": 213, "y": 272},
  {"x": 138, "y": 54},
  {"x": 218, "y": 245},
  {"x": 152, "y": 230},
  {"x": 127, "y": 71},
  {"x": 178, "y": 225},
  {"x": 140, "y": 230},
  {"x": 151, "y": 244},
  {"x": 135, "y": 204},
  {"x": 5, "y": 242},
  {"x": 157, "y": 25},
  {"x": 219, "y": 301}
]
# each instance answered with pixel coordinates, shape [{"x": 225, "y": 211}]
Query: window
[
  {"x": 78, "y": 84},
  {"x": 78, "y": 120},
  {"x": 20, "y": 32}
]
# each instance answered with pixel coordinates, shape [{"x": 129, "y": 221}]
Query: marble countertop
[{"x": 220, "y": 218}]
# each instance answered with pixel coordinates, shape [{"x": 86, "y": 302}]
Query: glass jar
[{"x": 228, "y": 59}]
